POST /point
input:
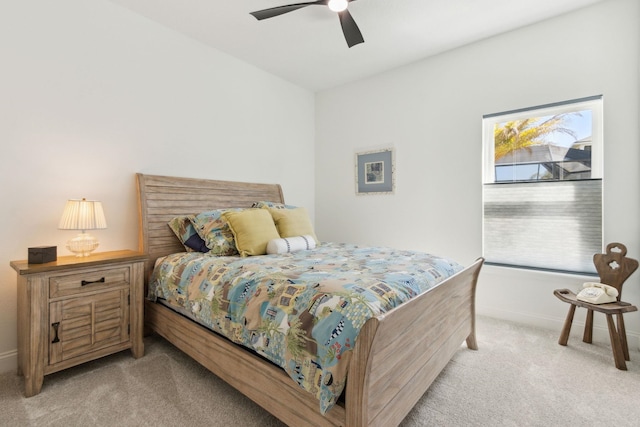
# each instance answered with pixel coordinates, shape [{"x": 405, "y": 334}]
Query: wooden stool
[{"x": 613, "y": 268}]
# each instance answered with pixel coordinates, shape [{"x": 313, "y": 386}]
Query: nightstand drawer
[{"x": 89, "y": 281}]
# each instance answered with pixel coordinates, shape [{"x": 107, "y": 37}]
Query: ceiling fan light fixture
[
  {"x": 338, "y": 5},
  {"x": 352, "y": 34}
]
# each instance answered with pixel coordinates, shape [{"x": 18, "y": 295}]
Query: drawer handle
[
  {"x": 87, "y": 282},
  {"x": 55, "y": 329}
]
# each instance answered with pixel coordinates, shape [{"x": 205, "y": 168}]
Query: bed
[{"x": 397, "y": 354}]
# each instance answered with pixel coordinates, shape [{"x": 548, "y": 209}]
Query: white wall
[
  {"x": 91, "y": 93},
  {"x": 431, "y": 113}
]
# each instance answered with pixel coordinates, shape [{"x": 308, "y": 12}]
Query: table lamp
[{"x": 83, "y": 215}]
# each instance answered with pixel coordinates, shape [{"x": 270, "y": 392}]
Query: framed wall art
[{"x": 375, "y": 172}]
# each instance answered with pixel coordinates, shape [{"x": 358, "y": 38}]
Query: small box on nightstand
[{"x": 42, "y": 254}]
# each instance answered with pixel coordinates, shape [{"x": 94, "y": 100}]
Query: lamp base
[{"x": 83, "y": 244}]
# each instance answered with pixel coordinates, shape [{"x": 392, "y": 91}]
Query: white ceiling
[{"x": 307, "y": 47}]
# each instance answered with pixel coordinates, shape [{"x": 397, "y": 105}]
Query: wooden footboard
[{"x": 398, "y": 355}]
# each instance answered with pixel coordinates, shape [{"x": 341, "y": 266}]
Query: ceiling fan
[{"x": 352, "y": 33}]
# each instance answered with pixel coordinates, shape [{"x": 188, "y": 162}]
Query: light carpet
[{"x": 520, "y": 376}]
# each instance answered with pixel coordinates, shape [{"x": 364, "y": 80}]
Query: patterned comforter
[{"x": 300, "y": 310}]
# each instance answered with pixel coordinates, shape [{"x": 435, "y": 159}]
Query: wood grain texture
[
  {"x": 66, "y": 262},
  {"x": 136, "y": 310},
  {"x": 92, "y": 319},
  {"x": 618, "y": 335},
  {"x": 414, "y": 342},
  {"x": 261, "y": 381},
  {"x": 396, "y": 357},
  {"x": 162, "y": 198},
  {"x": 89, "y": 323},
  {"x": 614, "y": 268}
]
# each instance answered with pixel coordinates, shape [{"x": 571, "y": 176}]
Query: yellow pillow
[
  {"x": 292, "y": 222},
  {"x": 252, "y": 230}
]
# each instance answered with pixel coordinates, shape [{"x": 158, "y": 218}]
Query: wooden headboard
[{"x": 161, "y": 198}]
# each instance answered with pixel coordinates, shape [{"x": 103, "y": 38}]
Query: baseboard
[
  {"x": 9, "y": 361},
  {"x": 600, "y": 333}
]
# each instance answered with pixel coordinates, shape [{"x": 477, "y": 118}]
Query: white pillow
[{"x": 290, "y": 244}]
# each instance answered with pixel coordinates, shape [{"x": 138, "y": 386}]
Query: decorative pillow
[
  {"x": 252, "y": 230},
  {"x": 274, "y": 205},
  {"x": 290, "y": 244},
  {"x": 186, "y": 233},
  {"x": 292, "y": 222},
  {"x": 215, "y": 232}
]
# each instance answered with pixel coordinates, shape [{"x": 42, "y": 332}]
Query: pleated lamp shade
[{"x": 83, "y": 215}]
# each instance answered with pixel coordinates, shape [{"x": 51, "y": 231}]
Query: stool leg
[
  {"x": 588, "y": 328},
  {"x": 623, "y": 337},
  {"x": 616, "y": 345},
  {"x": 566, "y": 329}
]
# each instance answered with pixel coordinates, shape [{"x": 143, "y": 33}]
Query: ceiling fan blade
[
  {"x": 350, "y": 29},
  {"x": 280, "y": 10}
]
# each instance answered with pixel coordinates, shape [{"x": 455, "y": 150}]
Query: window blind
[{"x": 543, "y": 225}]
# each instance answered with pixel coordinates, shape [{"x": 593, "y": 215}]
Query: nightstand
[{"x": 77, "y": 309}]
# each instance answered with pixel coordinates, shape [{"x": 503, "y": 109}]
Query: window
[{"x": 542, "y": 186}]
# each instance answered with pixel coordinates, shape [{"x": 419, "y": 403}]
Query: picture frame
[{"x": 375, "y": 172}]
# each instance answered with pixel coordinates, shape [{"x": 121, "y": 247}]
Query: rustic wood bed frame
[{"x": 397, "y": 355}]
